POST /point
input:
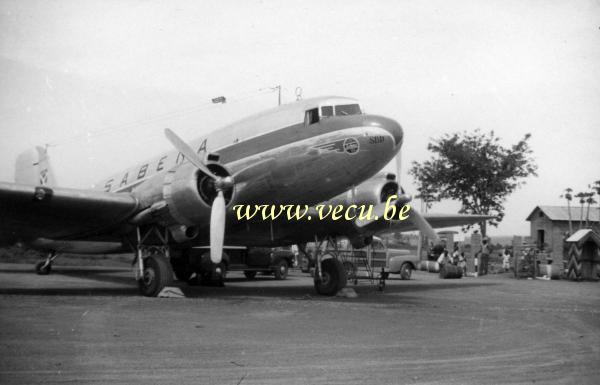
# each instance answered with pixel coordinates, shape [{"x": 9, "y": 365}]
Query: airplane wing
[
  {"x": 435, "y": 220},
  {"x": 41, "y": 211}
]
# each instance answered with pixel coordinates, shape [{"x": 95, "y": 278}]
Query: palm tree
[
  {"x": 581, "y": 197},
  {"x": 590, "y": 201},
  {"x": 569, "y": 197},
  {"x": 596, "y": 187}
]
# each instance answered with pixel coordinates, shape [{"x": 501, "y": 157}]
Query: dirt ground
[{"x": 89, "y": 325}]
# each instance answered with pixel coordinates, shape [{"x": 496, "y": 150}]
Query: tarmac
[{"x": 89, "y": 325}]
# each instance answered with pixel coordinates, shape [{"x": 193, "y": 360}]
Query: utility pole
[{"x": 278, "y": 88}]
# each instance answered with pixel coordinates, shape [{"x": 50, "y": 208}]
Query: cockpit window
[
  {"x": 326, "y": 111},
  {"x": 311, "y": 116},
  {"x": 347, "y": 109}
]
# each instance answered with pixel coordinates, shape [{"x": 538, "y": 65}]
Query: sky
[{"x": 98, "y": 81}]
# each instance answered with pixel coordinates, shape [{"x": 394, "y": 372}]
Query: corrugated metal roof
[
  {"x": 583, "y": 235},
  {"x": 561, "y": 213}
]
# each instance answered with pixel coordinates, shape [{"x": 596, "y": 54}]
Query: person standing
[
  {"x": 462, "y": 262},
  {"x": 506, "y": 260},
  {"x": 486, "y": 250}
]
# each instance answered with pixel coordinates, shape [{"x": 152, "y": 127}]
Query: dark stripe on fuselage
[
  {"x": 246, "y": 147},
  {"x": 286, "y": 135}
]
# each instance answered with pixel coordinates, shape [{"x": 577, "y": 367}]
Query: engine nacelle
[
  {"x": 371, "y": 192},
  {"x": 187, "y": 194},
  {"x": 184, "y": 201}
]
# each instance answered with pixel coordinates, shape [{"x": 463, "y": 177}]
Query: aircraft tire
[
  {"x": 333, "y": 277},
  {"x": 157, "y": 274},
  {"x": 281, "y": 270},
  {"x": 40, "y": 269}
]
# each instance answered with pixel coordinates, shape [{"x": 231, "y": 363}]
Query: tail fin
[{"x": 33, "y": 168}]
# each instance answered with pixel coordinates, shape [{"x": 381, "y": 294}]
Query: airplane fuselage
[{"x": 294, "y": 154}]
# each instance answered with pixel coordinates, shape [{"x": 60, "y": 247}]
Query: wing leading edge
[
  {"x": 435, "y": 220},
  {"x": 30, "y": 212}
]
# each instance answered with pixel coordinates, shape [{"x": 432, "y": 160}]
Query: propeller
[
  {"x": 217, "y": 212},
  {"x": 188, "y": 152}
]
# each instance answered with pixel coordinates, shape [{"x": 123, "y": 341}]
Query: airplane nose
[{"x": 390, "y": 125}]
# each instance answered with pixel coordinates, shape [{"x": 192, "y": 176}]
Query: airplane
[{"x": 168, "y": 209}]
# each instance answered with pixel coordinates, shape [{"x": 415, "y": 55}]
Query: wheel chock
[
  {"x": 171, "y": 292},
  {"x": 347, "y": 292}
]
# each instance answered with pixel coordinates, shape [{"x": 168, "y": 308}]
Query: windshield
[
  {"x": 347, "y": 109},
  {"x": 326, "y": 111}
]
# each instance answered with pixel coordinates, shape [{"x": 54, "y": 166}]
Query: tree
[
  {"x": 590, "y": 201},
  {"x": 596, "y": 187},
  {"x": 569, "y": 197},
  {"x": 475, "y": 169},
  {"x": 581, "y": 196}
]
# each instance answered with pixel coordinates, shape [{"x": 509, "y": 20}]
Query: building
[{"x": 550, "y": 225}]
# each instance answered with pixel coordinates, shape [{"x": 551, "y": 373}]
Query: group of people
[
  {"x": 481, "y": 258},
  {"x": 456, "y": 258}
]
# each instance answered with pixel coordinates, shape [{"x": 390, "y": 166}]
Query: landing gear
[
  {"x": 153, "y": 269},
  {"x": 157, "y": 274},
  {"x": 331, "y": 278},
  {"x": 45, "y": 267}
]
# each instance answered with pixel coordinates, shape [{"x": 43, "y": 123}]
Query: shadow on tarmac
[{"x": 296, "y": 287}]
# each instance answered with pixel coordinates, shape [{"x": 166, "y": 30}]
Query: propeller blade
[
  {"x": 422, "y": 224},
  {"x": 188, "y": 152},
  {"x": 398, "y": 166},
  {"x": 217, "y": 228}
]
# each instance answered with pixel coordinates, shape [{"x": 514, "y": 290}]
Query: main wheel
[
  {"x": 281, "y": 270},
  {"x": 333, "y": 277},
  {"x": 250, "y": 274},
  {"x": 43, "y": 268},
  {"x": 405, "y": 270},
  {"x": 157, "y": 275}
]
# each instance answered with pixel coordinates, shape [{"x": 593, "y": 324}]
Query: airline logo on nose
[
  {"x": 347, "y": 145},
  {"x": 351, "y": 146}
]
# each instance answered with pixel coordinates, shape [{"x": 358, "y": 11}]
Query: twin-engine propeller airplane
[{"x": 168, "y": 208}]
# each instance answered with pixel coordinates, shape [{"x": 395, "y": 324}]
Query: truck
[{"x": 275, "y": 261}]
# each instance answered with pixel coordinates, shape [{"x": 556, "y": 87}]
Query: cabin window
[
  {"x": 347, "y": 109},
  {"x": 311, "y": 116},
  {"x": 326, "y": 111}
]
